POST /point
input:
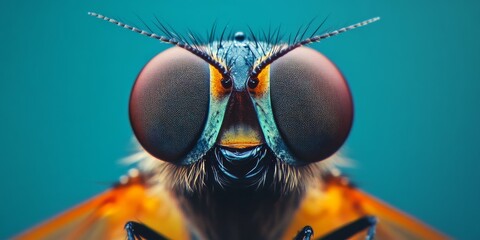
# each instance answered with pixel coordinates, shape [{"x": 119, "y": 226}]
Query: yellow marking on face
[
  {"x": 216, "y": 88},
  {"x": 240, "y": 136},
  {"x": 263, "y": 82}
]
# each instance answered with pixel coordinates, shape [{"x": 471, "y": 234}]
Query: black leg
[
  {"x": 353, "y": 228},
  {"x": 138, "y": 231},
  {"x": 305, "y": 234}
]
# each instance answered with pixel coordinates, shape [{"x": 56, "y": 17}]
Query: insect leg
[
  {"x": 305, "y": 234},
  {"x": 138, "y": 231},
  {"x": 353, "y": 228}
]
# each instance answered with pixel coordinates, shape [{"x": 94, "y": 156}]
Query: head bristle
[
  {"x": 171, "y": 39},
  {"x": 278, "y": 54}
]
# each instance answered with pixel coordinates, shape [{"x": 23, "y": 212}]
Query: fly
[{"x": 236, "y": 140}]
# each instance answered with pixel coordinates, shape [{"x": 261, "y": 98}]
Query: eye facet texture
[
  {"x": 169, "y": 103},
  {"x": 311, "y": 103}
]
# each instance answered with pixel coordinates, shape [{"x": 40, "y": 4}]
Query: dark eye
[
  {"x": 169, "y": 103},
  {"x": 311, "y": 103}
]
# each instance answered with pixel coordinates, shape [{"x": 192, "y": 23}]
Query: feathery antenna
[
  {"x": 170, "y": 40},
  {"x": 278, "y": 54}
]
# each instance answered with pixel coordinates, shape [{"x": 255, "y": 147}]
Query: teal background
[{"x": 66, "y": 78}]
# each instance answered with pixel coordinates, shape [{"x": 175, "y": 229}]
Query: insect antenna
[
  {"x": 172, "y": 38},
  {"x": 304, "y": 42}
]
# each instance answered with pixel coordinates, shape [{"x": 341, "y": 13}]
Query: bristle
[
  {"x": 220, "y": 41},
  {"x": 256, "y": 41},
  {"x": 144, "y": 23},
  {"x": 307, "y": 28},
  {"x": 319, "y": 26},
  {"x": 297, "y": 34},
  {"x": 212, "y": 33}
]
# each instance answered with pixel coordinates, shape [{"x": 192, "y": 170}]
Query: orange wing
[
  {"x": 104, "y": 216},
  {"x": 326, "y": 207},
  {"x": 335, "y": 202}
]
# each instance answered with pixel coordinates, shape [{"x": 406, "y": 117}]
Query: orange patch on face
[
  {"x": 263, "y": 82},
  {"x": 216, "y": 88}
]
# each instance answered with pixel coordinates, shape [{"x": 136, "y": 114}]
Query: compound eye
[
  {"x": 169, "y": 104},
  {"x": 311, "y": 104}
]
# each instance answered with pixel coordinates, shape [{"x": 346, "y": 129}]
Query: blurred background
[{"x": 66, "y": 79}]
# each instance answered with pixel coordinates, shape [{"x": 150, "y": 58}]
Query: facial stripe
[
  {"x": 216, "y": 112},
  {"x": 263, "y": 108}
]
